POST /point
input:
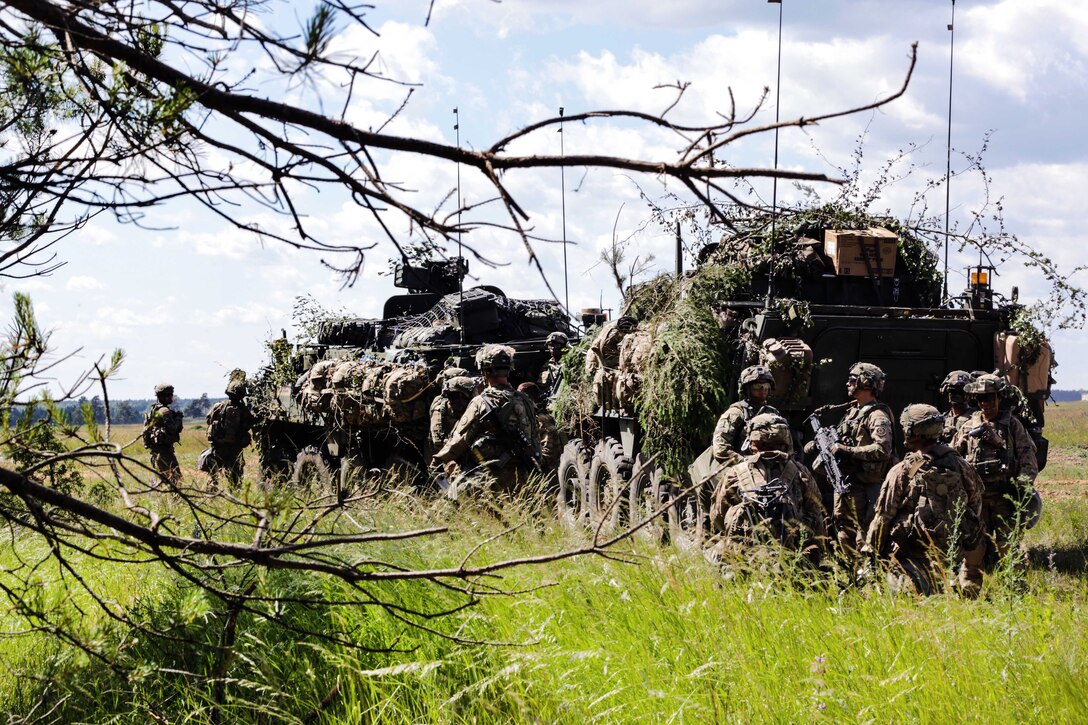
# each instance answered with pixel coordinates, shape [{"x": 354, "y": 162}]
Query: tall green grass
[{"x": 665, "y": 636}]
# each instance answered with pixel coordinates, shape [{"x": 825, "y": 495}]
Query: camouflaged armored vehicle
[
  {"x": 357, "y": 398},
  {"x": 644, "y": 392}
]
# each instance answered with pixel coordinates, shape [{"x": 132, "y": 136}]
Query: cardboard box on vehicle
[{"x": 854, "y": 252}]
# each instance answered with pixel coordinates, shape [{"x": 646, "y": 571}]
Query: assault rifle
[
  {"x": 825, "y": 440},
  {"x": 513, "y": 438}
]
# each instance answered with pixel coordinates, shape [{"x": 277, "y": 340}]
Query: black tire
[
  {"x": 311, "y": 469},
  {"x": 609, "y": 484},
  {"x": 649, "y": 494},
  {"x": 688, "y": 522},
  {"x": 573, "y": 478}
]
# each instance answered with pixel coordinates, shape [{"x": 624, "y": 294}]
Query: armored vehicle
[
  {"x": 654, "y": 382},
  {"x": 356, "y": 399}
]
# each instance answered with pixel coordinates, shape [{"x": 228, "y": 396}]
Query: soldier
[
  {"x": 864, "y": 452},
  {"x": 162, "y": 431},
  {"x": 603, "y": 356},
  {"x": 754, "y": 387},
  {"x": 768, "y": 494},
  {"x": 551, "y": 439},
  {"x": 229, "y": 424},
  {"x": 1003, "y": 454},
  {"x": 448, "y": 407},
  {"x": 959, "y": 411},
  {"x": 929, "y": 508},
  {"x": 497, "y": 434},
  {"x": 552, "y": 372}
]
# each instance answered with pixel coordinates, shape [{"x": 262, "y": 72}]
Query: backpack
[
  {"x": 226, "y": 425},
  {"x": 939, "y": 499}
]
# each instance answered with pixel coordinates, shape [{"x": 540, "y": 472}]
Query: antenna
[
  {"x": 774, "y": 180},
  {"x": 948, "y": 147},
  {"x": 563, "y": 206},
  {"x": 460, "y": 257}
]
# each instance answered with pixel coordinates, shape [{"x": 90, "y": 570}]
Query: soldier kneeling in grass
[
  {"x": 769, "y": 496},
  {"x": 927, "y": 518}
]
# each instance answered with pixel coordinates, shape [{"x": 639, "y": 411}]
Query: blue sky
[{"x": 190, "y": 303}]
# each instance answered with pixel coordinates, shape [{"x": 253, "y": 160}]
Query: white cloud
[{"x": 83, "y": 283}]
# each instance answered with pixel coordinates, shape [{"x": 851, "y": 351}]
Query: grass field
[{"x": 665, "y": 637}]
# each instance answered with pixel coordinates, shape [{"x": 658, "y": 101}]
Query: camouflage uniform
[
  {"x": 960, "y": 412},
  {"x": 731, "y": 432},
  {"x": 551, "y": 375},
  {"x": 866, "y": 437},
  {"x": 768, "y": 494},
  {"x": 448, "y": 407},
  {"x": 1003, "y": 454},
  {"x": 603, "y": 356},
  {"x": 229, "y": 424},
  {"x": 926, "y": 499},
  {"x": 162, "y": 431},
  {"x": 479, "y": 444}
]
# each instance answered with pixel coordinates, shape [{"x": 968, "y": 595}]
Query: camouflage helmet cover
[
  {"x": 461, "y": 385},
  {"x": 921, "y": 420},
  {"x": 955, "y": 380},
  {"x": 164, "y": 388},
  {"x": 869, "y": 376},
  {"x": 986, "y": 384},
  {"x": 237, "y": 388},
  {"x": 237, "y": 385},
  {"x": 626, "y": 323},
  {"x": 754, "y": 374},
  {"x": 496, "y": 358},
  {"x": 770, "y": 430},
  {"x": 557, "y": 338},
  {"x": 451, "y": 373}
]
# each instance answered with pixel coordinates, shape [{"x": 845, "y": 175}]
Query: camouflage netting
[{"x": 675, "y": 373}]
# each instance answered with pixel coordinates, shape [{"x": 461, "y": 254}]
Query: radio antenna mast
[
  {"x": 563, "y": 207},
  {"x": 460, "y": 256},
  {"x": 948, "y": 147},
  {"x": 774, "y": 180}
]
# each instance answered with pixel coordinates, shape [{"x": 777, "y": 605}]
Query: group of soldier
[
  {"x": 959, "y": 495},
  {"x": 230, "y": 423}
]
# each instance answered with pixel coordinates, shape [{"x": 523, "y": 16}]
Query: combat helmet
[
  {"x": 461, "y": 385},
  {"x": 922, "y": 420},
  {"x": 770, "y": 430},
  {"x": 955, "y": 381},
  {"x": 498, "y": 359},
  {"x": 868, "y": 376},
  {"x": 236, "y": 388},
  {"x": 754, "y": 374},
  {"x": 987, "y": 384},
  {"x": 451, "y": 373},
  {"x": 557, "y": 338},
  {"x": 164, "y": 389}
]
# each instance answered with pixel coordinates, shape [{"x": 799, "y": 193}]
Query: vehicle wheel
[
  {"x": 573, "y": 476},
  {"x": 687, "y": 519},
  {"x": 311, "y": 470},
  {"x": 649, "y": 494},
  {"x": 609, "y": 482}
]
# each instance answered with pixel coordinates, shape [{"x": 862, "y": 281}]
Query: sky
[{"x": 192, "y": 301}]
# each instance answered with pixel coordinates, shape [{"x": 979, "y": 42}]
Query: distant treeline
[
  {"x": 1065, "y": 396},
  {"x": 121, "y": 411}
]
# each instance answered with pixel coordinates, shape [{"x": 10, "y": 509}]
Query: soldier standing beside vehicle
[
  {"x": 448, "y": 407},
  {"x": 162, "y": 431},
  {"x": 754, "y": 387},
  {"x": 1003, "y": 454},
  {"x": 769, "y": 495},
  {"x": 497, "y": 436},
  {"x": 930, "y": 508},
  {"x": 864, "y": 453},
  {"x": 229, "y": 424},
  {"x": 959, "y": 411},
  {"x": 552, "y": 373}
]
